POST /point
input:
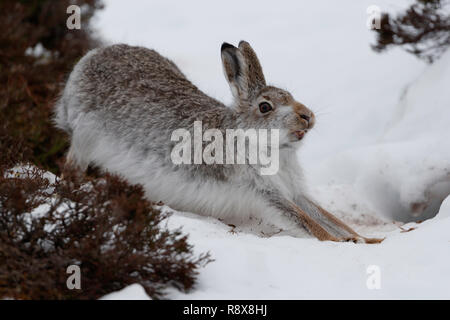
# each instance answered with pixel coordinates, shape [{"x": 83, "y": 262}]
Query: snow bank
[{"x": 405, "y": 173}]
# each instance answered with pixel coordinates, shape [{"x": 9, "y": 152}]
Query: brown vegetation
[
  {"x": 423, "y": 30},
  {"x": 103, "y": 225}
]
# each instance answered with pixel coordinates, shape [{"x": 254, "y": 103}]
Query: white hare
[{"x": 121, "y": 105}]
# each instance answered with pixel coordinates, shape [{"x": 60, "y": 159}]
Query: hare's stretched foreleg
[
  {"x": 334, "y": 225},
  {"x": 319, "y": 222}
]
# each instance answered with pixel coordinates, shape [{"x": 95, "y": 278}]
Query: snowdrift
[{"x": 404, "y": 174}]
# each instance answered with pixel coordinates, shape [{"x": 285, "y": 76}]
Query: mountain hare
[{"x": 121, "y": 105}]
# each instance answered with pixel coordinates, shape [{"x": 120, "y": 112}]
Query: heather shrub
[
  {"x": 104, "y": 226},
  {"x": 31, "y": 79},
  {"x": 423, "y": 29}
]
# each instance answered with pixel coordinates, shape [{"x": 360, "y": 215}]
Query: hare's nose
[
  {"x": 304, "y": 116},
  {"x": 309, "y": 119}
]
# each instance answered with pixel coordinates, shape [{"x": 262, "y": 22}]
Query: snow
[
  {"x": 37, "y": 51},
  {"x": 132, "y": 292},
  {"x": 413, "y": 265},
  {"x": 378, "y": 158}
]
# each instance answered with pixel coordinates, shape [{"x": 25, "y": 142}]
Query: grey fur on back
[{"x": 137, "y": 105}]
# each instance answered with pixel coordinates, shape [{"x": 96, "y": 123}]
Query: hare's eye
[{"x": 265, "y": 107}]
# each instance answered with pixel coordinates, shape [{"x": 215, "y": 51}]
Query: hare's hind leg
[
  {"x": 83, "y": 144},
  {"x": 74, "y": 161}
]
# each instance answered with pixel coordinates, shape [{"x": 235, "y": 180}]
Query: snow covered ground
[{"x": 378, "y": 158}]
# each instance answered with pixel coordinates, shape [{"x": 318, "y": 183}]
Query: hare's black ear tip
[{"x": 226, "y": 46}]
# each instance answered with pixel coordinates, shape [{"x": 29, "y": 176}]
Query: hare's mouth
[{"x": 299, "y": 134}]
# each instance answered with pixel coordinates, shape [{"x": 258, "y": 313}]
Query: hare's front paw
[
  {"x": 359, "y": 239},
  {"x": 373, "y": 240}
]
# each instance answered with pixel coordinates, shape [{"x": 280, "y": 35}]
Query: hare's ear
[
  {"x": 255, "y": 75},
  {"x": 242, "y": 70},
  {"x": 235, "y": 70}
]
